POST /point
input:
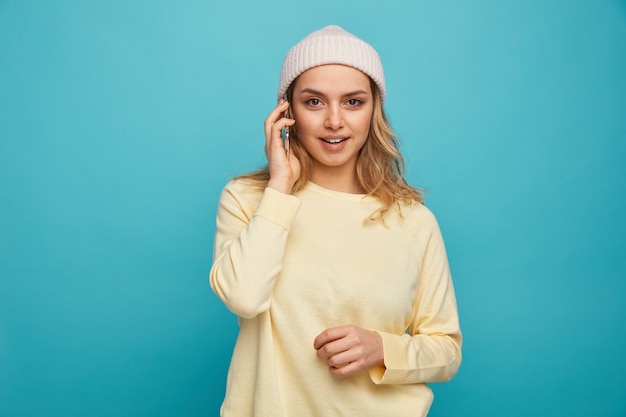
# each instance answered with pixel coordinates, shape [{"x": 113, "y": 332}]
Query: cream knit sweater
[{"x": 291, "y": 266}]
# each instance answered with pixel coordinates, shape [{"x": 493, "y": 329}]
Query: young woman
[{"x": 336, "y": 270}]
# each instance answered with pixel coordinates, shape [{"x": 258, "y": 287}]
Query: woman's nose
[{"x": 334, "y": 118}]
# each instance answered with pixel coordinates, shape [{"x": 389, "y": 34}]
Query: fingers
[
  {"x": 284, "y": 171},
  {"x": 349, "y": 349},
  {"x": 276, "y": 121},
  {"x": 347, "y": 370},
  {"x": 330, "y": 334},
  {"x": 339, "y": 345},
  {"x": 345, "y": 358}
]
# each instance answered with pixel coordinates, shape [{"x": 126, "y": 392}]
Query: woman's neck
[{"x": 337, "y": 179}]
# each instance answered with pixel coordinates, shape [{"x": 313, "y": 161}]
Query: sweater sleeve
[
  {"x": 430, "y": 350},
  {"x": 249, "y": 246}
]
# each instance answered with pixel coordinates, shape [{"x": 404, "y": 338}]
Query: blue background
[{"x": 120, "y": 121}]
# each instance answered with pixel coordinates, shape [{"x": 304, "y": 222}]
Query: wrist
[{"x": 280, "y": 186}]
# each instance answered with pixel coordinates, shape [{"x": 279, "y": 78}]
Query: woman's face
[{"x": 332, "y": 106}]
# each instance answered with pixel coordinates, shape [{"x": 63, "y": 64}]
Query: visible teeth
[{"x": 333, "y": 141}]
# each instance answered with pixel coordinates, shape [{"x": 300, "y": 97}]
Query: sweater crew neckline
[{"x": 340, "y": 195}]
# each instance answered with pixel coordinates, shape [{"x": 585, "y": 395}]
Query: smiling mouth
[{"x": 334, "y": 141}]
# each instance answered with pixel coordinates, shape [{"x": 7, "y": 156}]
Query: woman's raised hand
[{"x": 283, "y": 171}]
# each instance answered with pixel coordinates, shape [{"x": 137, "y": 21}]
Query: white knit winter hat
[{"x": 331, "y": 45}]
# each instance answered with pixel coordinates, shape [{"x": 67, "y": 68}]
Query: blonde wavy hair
[{"x": 380, "y": 166}]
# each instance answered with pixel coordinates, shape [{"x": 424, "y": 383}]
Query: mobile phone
[{"x": 285, "y": 133}]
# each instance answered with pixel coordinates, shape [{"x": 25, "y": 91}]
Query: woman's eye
[
  {"x": 354, "y": 102},
  {"x": 313, "y": 102}
]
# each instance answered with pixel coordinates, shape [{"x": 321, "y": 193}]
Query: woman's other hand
[
  {"x": 283, "y": 171},
  {"x": 349, "y": 349}
]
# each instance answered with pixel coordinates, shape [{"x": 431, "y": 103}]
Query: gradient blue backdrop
[{"x": 120, "y": 121}]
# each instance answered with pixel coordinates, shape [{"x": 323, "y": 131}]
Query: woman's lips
[{"x": 334, "y": 141}]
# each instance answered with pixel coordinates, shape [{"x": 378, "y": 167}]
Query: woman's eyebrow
[
  {"x": 311, "y": 91},
  {"x": 355, "y": 93},
  {"x": 319, "y": 93}
]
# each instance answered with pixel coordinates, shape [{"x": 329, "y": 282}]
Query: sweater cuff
[
  {"x": 395, "y": 368},
  {"x": 278, "y": 208}
]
